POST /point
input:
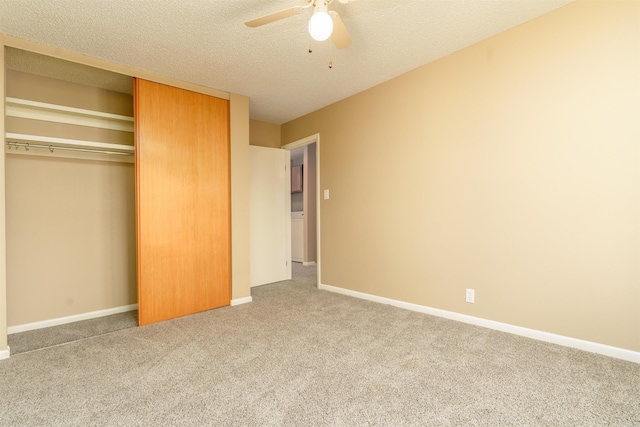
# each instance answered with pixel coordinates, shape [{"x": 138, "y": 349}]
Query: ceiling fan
[{"x": 323, "y": 24}]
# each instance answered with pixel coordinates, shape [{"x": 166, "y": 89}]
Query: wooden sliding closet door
[{"x": 182, "y": 201}]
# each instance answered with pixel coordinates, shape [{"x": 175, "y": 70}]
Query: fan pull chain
[{"x": 330, "y": 55}]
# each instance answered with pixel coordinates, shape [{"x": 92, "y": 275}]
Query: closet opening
[{"x": 70, "y": 201}]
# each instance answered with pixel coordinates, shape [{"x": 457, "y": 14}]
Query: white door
[{"x": 270, "y": 215}]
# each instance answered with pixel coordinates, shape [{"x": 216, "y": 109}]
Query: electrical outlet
[{"x": 470, "y": 296}]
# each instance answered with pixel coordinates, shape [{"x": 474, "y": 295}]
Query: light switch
[{"x": 326, "y": 194}]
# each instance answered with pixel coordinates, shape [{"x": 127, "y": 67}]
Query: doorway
[{"x": 305, "y": 208}]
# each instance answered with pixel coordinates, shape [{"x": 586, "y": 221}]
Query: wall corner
[
  {"x": 3, "y": 240},
  {"x": 239, "y": 126}
]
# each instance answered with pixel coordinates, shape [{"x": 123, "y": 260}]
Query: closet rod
[{"x": 58, "y": 147}]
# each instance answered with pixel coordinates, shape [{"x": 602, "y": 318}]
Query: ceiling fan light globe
[{"x": 320, "y": 26}]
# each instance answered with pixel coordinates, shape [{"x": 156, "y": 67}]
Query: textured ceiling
[{"x": 206, "y": 42}]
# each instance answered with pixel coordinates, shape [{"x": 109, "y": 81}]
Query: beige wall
[
  {"x": 240, "y": 278},
  {"x": 264, "y": 134},
  {"x": 71, "y": 245},
  {"x": 510, "y": 167}
]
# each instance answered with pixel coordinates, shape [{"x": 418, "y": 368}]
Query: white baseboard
[
  {"x": 70, "y": 319},
  {"x": 618, "y": 353},
  {"x": 239, "y": 301},
  {"x": 306, "y": 264},
  {"x": 4, "y": 354}
]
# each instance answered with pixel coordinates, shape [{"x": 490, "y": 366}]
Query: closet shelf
[
  {"x": 18, "y": 137},
  {"x": 35, "y": 110}
]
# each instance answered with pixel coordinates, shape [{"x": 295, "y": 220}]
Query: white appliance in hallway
[{"x": 297, "y": 236}]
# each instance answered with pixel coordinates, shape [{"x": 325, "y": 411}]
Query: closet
[
  {"x": 70, "y": 193},
  {"x": 90, "y": 230}
]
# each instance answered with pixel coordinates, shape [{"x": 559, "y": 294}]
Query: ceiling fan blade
[
  {"x": 276, "y": 16},
  {"x": 340, "y": 36}
]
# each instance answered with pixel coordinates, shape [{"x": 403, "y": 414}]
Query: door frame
[{"x": 292, "y": 146}]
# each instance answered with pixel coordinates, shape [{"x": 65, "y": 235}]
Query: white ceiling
[{"x": 206, "y": 42}]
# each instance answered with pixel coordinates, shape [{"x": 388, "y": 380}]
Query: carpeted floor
[
  {"x": 300, "y": 356},
  {"x": 23, "y": 342}
]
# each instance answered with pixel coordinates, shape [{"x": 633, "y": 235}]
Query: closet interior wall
[{"x": 70, "y": 217}]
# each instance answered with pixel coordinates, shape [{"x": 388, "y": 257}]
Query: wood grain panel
[{"x": 182, "y": 201}]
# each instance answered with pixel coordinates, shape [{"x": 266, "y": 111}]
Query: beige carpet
[
  {"x": 23, "y": 342},
  {"x": 303, "y": 357}
]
